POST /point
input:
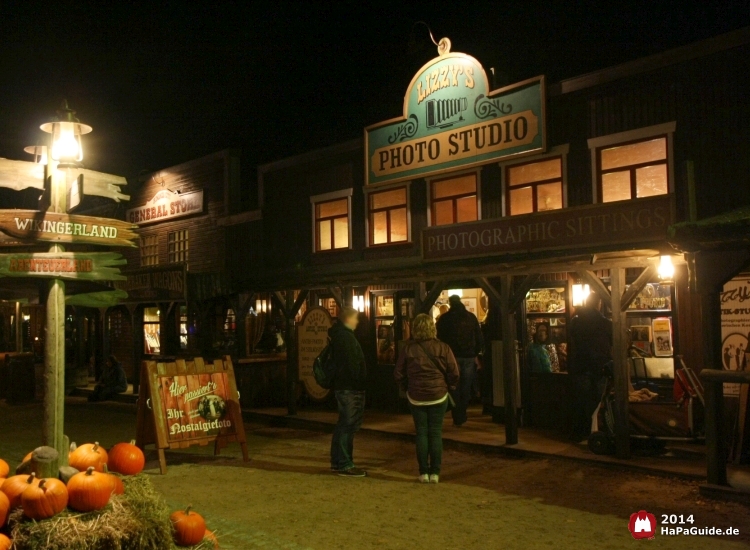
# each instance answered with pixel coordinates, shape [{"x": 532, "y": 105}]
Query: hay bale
[{"x": 136, "y": 520}]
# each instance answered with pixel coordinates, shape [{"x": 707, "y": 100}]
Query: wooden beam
[
  {"x": 520, "y": 293},
  {"x": 510, "y": 374},
  {"x": 280, "y": 301},
  {"x": 620, "y": 366},
  {"x": 292, "y": 367},
  {"x": 432, "y": 295},
  {"x": 489, "y": 289},
  {"x": 716, "y": 449},
  {"x": 597, "y": 285},
  {"x": 638, "y": 285},
  {"x": 336, "y": 296},
  {"x": 298, "y": 303}
]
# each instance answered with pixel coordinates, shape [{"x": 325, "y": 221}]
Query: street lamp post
[{"x": 65, "y": 152}]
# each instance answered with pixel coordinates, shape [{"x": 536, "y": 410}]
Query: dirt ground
[{"x": 285, "y": 497}]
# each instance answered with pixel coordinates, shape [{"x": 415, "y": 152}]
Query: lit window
[
  {"x": 454, "y": 200},
  {"x": 151, "y": 329},
  {"x": 149, "y": 250},
  {"x": 534, "y": 186},
  {"x": 332, "y": 225},
  {"x": 388, "y": 219},
  {"x": 178, "y": 246},
  {"x": 633, "y": 170}
]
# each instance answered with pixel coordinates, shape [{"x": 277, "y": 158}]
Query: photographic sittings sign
[
  {"x": 195, "y": 405},
  {"x": 34, "y": 225},
  {"x": 451, "y": 119},
  {"x": 312, "y": 337},
  {"x": 735, "y": 327},
  {"x": 621, "y": 222},
  {"x": 166, "y": 205}
]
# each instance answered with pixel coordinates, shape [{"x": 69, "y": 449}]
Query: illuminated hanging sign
[
  {"x": 166, "y": 205},
  {"x": 451, "y": 120}
]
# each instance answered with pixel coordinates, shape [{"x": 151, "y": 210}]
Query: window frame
[
  {"x": 558, "y": 151},
  {"x": 171, "y": 254},
  {"x": 330, "y": 197},
  {"x": 443, "y": 177},
  {"x": 596, "y": 145},
  {"x": 369, "y": 229},
  {"x": 155, "y": 245}
]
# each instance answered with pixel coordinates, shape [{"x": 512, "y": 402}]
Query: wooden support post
[
  {"x": 418, "y": 296},
  {"x": 136, "y": 324},
  {"x": 716, "y": 450},
  {"x": 292, "y": 368},
  {"x": 241, "y": 305},
  {"x": 638, "y": 285},
  {"x": 432, "y": 295},
  {"x": 491, "y": 292},
  {"x": 620, "y": 365},
  {"x": 19, "y": 328},
  {"x": 597, "y": 285},
  {"x": 54, "y": 364},
  {"x": 510, "y": 374}
]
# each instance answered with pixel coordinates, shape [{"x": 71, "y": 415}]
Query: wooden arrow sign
[
  {"x": 34, "y": 225},
  {"x": 89, "y": 266},
  {"x": 105, "y": 298}
]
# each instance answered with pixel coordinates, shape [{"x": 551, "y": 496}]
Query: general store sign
[
  {"x": 63, "y": 265},
  {"x": 623, "y": 222},
  {"x": 166, "y": 205},
  {"x": 451, "y": 119},
  {"x": 35, "y": 225},
  {"x": 195, "y": 405}
]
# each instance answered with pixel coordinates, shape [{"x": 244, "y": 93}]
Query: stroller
[{"x": 654, "y": 421}]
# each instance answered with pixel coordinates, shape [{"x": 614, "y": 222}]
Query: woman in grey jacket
[{"x": 428, "y": 371}]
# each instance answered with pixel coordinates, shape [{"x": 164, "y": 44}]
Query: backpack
[{"x": 324, "y": 368}]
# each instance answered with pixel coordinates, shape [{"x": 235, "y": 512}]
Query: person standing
[
  {"x": 537, "y": 354},
  {"x": 590, "y": 351},
  {"x": 460, "y": 329},
  {"x": 428, "y": 371},
  {"x": 112, "y": 381},
  {"x": 349, "y": 384}
]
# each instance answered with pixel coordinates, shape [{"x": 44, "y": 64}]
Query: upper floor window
[
  {"x": 149, "y": 250},
  {"x": 534, "y": 186},
  {"x": 454, "y": 200},
  {"x": 332, "y": 224},
  {"x": 388, "y": 216},
  {"x": 633, "y": 164},
  {"x": 177, "y": 242}
]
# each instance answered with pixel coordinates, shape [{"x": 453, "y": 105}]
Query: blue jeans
[
  {"x": 351, "y": 411},
  {"x": 428, "y": 422},
  {"x": 462, "y": 395}
]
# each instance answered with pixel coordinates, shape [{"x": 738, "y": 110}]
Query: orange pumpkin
[
  {"x": 14, "y": 486},
  {"x": 4, "y": 509},
  {"x": 117, "y": 487},
  {"x": 189, "y": 527},
  {"x": 4, "y": 468},
  {"x": 126, "y": 459},
  {"x": 89, "y": 490},
  {"x": 86, "y": 456},
  {"x": 5, "y": 542},
  {"x": 45, "y": 499},
  {"x": 210, "y": 536}
]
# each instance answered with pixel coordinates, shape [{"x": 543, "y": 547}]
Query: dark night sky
[{"x": 162, "y": 83}]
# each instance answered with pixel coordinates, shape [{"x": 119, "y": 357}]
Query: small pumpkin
[
  {"x": 189, "y": 527},
  {"x": 117, "y": 487},
  {"x": 4, "y": 468},
  {"x": 210, "y": 536},
  {"x": 87, "y": 455},
  {"x": 14, "y": 486},
  {"x": 126, "y": 459},
  {"x": 89, "y": 490},
  {"x": 4, "y": 509},
  {"x": 5, "y": 542},
  {"x": 45, "y": 499}
]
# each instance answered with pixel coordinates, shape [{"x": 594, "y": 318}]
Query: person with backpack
[
  {"x": 427, "y": 370},
  {"x": 348, "y": 381},
  {"x": 459, "y": 328}
]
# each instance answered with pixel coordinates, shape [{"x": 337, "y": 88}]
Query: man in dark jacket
[
  {"x": 590, "y": 350},
  {"x": 349, "y": 387},
  {"x": 460, "y": 329},
  {"x": 112, "y": 381}
]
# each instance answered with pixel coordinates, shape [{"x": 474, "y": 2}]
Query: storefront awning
[{"x": 730, "y": 230}]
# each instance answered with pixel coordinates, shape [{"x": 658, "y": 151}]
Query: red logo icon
[{"x": 642, "y": 525}]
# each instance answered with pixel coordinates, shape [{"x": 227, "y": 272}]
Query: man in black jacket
[
  {"x": 349, "y": 387},
  {"x": 459, "y": 328}
]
